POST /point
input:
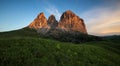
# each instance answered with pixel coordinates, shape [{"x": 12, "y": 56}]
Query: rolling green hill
[{"x": 25, "y": 47}]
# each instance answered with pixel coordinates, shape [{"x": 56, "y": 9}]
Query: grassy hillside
[{"x": 25, "y": 48}]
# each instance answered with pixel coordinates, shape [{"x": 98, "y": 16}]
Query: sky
[{"x": 102, "y": 17}]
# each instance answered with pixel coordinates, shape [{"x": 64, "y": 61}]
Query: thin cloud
[
  {"x": 103, "y": 21},
  {"x": 53, "y": 10}
]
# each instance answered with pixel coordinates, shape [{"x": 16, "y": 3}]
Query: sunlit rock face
[
  {"x": 52, "y": 22},
  {"x": 71, "y": 22},
  {"x": 68, "y": 22},
  {"x": 39, "y": 22}
]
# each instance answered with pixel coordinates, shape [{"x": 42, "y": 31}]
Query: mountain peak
[
  {"x": 52, "y": 22},
  {"x": 41, "y": 15},
  {"x": 51, "y": 17},
  {"x": 68, "y": 11},
  {"x": 70, "y": 21},
  {"x": 67, "y": 14},
  {"x": 39, "y": 22}
]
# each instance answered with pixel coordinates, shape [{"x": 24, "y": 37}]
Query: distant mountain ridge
[{"x": 68, "y": 22}]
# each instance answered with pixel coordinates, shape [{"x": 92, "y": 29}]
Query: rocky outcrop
[
  {"x": 52, "y": 22},
  {"x": 39, "y": 22},
  {"x": 71, "y": 22},
  {"x": 68, "y": 22}
]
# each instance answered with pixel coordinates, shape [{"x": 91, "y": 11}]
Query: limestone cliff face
[
  {"x": 52, "y": 22},
  {"x": 39, "y": 22},
  {"x": 71, "y": 22}
]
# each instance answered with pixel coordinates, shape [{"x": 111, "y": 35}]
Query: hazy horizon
[{"x": 102, "y": 17}]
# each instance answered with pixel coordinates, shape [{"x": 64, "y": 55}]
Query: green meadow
[{"x": 25, "y": 47}]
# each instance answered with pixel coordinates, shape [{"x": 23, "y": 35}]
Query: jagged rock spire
[
  {"x": 39, "y": 22},
  {"x": 52, "y": 22}
]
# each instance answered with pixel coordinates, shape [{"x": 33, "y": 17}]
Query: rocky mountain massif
[{"x": 68, "y": 22}]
